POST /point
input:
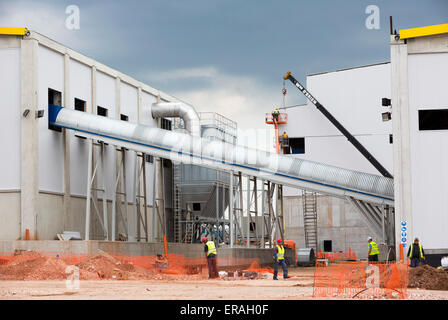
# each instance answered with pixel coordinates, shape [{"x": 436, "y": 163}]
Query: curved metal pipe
[
  {"x": 224, "y": 156},
  {"x": 181, "y": 110}
]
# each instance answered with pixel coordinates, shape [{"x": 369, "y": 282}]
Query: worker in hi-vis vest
[
  {"x": 211, "y": 254},
  {"x": 279, "y": 259},
  {"x": 373, "y": 250},
  {"x": 416, "y": 253},
  {"x": 275, "y": 115}
]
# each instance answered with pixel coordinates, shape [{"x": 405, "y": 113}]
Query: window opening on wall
[
  {"x": 297, "y": 145},
  {"x": 80, "y": 105},
  {"x": 328, "y": 245},
  {"x": 166, "y": 124},
  {"x": 101, "y": 111},
  {"x": 149, "y": 158},
  {"x": 54, "y": 98},
  {"x": 435, "y": 119}
]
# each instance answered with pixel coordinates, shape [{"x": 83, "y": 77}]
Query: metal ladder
[
  {"x": 310, "y": 218},
  {"x": 188, "y": 232},
  {"x": 177, "y": 207}
]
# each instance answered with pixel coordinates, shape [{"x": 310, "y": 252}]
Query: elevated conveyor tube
[{"x": 224, "y": 156}]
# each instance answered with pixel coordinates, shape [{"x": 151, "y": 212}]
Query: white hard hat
[{"x": 369, "y": 238}]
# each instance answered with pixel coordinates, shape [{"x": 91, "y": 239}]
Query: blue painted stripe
[{"x": 222, "y": 161}]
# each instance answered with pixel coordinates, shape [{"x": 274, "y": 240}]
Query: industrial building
[
  {"x": 61, "y": 183},
  {"x": 92, "y": 151},
  {"x": 405, "y": 133},
  {"x": 353, "y": 96}
]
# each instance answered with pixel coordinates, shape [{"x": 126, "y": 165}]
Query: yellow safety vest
[
  {"x": 211, "y": 248},
  {"x": 276, "y": 111},
  {"x": 280, "y": 252},
  {"x": 412, "y": 248},
  {"x": 374, "y": 250}
]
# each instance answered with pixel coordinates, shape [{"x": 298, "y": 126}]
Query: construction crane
[{"x": 339, "y": 126}]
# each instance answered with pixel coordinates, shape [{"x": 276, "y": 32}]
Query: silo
[{"x": 201, "y": 195}]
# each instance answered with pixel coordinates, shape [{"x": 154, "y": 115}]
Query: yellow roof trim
[
  {"x": 13, "y": 31},
  {"x": 423, "y": 31}
]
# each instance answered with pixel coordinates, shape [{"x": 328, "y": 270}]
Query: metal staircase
[
  {"x": 310, "y": 218},
  {"x": 378, "y": 218}
]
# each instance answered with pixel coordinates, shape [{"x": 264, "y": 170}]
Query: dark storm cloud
[{"x": 256, "y": 41}]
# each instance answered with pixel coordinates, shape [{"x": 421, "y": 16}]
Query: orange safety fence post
[
  {"x": 401, "y": 253},
  {"x": 27, "y": 234},
  {"x": 165, "y": 245}
]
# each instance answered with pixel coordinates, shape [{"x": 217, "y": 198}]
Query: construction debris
[
  {"x": 427, "y": 277},
  {"x": 69, "y": 235},
  {"x": 31, "y": 265}
]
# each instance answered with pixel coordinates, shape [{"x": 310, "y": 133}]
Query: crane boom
[{"x": 339, "y": 126}]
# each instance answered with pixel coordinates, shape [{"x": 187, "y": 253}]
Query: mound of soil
[
  {"x": 34, "y": 268},
  {"x": 107, "y": 267},
  {"x": 427, "y": 277}
]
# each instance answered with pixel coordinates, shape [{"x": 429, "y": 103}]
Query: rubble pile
[{"x": 429, "y": 278}]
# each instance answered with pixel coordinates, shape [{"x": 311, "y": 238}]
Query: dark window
[
  {"x": 297, "y": 145},
  {"x": 149, "y": 158},
  {"x": 166, "y": 163},
  {"x": 391, "y": 138},
  {"x": 80, "y": 105},
  {"x": 196, "y": 206},
  {"x": 433, "y": 119},
  {"x": 101, "y": 111},
  {"x": 252, "y": 226},
  {"x": 166, "y": 124},
  {"x": 124, "y": 117},
  {"x": 55, "y": 98},
  {"x": 328, "y": 246}
]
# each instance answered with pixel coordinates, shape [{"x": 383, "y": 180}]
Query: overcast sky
[{"x": 226, "y": 56}]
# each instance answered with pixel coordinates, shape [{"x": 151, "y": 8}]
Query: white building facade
[
  {"x": 419, "y": 65},
  {"x": 353, "y": 96},
  {"x": 412, "y": 146},
  {"x": 43, "y": 176}
]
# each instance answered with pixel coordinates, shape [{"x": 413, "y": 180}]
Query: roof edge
[
  {"x": 14, "y": 31},
  {"x": 423, "y": 31},
  {"x": 346, "y": 69}
]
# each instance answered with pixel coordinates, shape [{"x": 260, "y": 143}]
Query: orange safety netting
[
  {"x": 33, "y": 265},
  {"x": 361, "y": 279},
  {"x": 255, "y": 267},
  {"x": 337, "y": 256}
]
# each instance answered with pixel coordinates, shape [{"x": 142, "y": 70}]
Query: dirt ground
[{"x": 299, "y": 287}]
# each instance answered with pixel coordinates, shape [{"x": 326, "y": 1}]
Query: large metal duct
[
  {"x": 181, "y": 110},
  {"x": 224, "y": 156}
]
